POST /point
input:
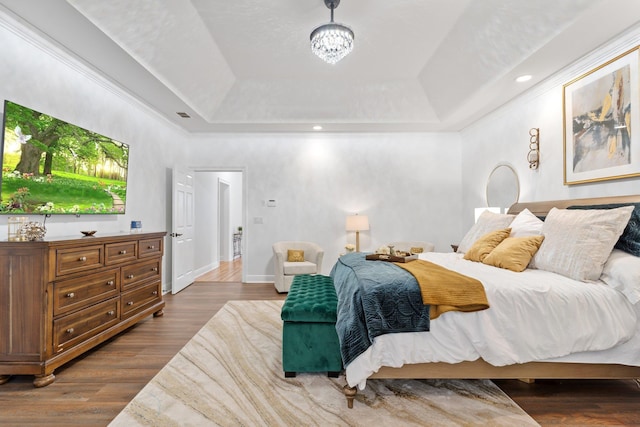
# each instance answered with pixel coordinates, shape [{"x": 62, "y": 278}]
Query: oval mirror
[{"x": 503, "y": 188}]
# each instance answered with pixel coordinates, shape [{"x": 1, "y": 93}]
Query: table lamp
[{"x": 357, "y": 223}]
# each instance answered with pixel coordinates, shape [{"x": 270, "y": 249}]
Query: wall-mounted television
[{"x": 50, "y": 166}]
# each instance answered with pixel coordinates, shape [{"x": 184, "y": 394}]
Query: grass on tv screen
[{"x": 50, "y": 166}]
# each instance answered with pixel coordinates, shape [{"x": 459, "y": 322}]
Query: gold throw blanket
[{"x": 446, "y": 290}]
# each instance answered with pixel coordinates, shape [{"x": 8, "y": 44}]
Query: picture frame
[{"x": 600, "y": 109}]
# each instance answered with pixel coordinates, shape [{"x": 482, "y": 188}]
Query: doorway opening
[{"x": 220, "y": 219}]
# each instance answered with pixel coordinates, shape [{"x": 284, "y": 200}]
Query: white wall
[
  {"x": 36, "y": 74},
  {"x": 503, "y": 136},
  {"x": 408, "y": 184}
]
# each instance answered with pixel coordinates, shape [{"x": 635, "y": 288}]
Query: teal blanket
[{"x": 374, "y": 298}]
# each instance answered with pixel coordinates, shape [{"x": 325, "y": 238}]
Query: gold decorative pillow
[
  {"x": 514, "y": 253},
  {"x": 415, "y": 250},
  {"x": 485, "y": 244},
  {"x": 295, "y": 255}
]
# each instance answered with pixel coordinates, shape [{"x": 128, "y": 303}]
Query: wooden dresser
[{"x": 63, "y": 296}]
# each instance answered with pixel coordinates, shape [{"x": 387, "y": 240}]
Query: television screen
[{"x": 50, "y": 166}]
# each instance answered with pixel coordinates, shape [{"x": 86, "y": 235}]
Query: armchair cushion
[
  {"x": 299, "y": 267},
  {"x": 295, "y": 255}
]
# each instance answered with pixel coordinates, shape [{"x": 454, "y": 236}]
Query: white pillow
[
  {"x": 487, "y": 222},
  {"x": 622, "y": 272},
  {"x": 577, "y": 243},
  {"x": 526, "y": 224}
]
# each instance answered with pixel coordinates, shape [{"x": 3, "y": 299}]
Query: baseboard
[
  {"x": 268, "y": 278},
  {"x": 207, "y": 268}
]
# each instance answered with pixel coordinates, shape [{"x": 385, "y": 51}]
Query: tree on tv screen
[{"x": 51, "y": 166}]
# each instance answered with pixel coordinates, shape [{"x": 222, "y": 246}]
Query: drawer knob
[
  {"x": 154, "y": 293},
  {"x": 151, "y": 247},
  {"x": 110, "y": 283},
  {"x": 123, "y": 252},
  {"x": 82, "y": 259},
  {"x": 130, "y": 303},
  {"x": 111, "y": 313},
  {"x": 70, "y": 330},
  {"x": 71, "y": 295},
  {"x": 130, "y": 276},
  {"x": 154, "y": 269}
]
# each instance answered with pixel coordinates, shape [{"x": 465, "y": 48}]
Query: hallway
[{"x": 229, "y": 271}]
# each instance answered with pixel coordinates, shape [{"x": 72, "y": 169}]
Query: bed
[{"x": 518, "y": 336}]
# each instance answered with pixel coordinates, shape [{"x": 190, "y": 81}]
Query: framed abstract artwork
[{"x": 600, "y": 108}]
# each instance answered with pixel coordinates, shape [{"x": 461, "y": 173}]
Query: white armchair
[
  {"x": 285, "y": 270},
  {"x": 406, "y": 246}
]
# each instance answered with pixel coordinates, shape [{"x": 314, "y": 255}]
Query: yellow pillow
[
  {"x": 485, "y": 244},
  {"x": 514, "y": 253},
  {"x": 415, "y": 250},
  {"x": 295, "y": 255}
]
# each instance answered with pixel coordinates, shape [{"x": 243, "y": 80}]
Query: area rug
[{"x": 230, "y": 374}]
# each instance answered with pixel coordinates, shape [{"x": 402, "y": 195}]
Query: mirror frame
[{"x": 517, "y": 183}]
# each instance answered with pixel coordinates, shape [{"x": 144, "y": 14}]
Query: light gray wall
[
  {"x": 206, "y": 223},
  {"x": 503, "y": 136},
  {"x": 36, "y": 74},
  {"x": 408, "y": 184}
]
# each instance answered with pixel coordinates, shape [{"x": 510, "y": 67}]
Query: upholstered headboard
[
  {"x": 543, "y": 208},
  {"x": 629, "y": 240}
]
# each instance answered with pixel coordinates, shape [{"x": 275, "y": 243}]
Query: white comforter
[{"x": 535, "y": 315}]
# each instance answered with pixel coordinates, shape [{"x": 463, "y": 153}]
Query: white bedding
[{"x": 534, "y": 316}]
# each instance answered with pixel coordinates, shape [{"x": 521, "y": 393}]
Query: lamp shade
[{"x": 357, "y": 223}]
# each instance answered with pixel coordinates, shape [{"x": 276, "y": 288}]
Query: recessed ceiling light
[
  {"x": 524, "y": 78},
  {"x": 317, "y": 127}
]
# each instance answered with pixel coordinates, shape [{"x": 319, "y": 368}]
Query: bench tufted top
[{"x": 311, "y": 299}]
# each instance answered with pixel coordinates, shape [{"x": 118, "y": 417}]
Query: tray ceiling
[{"x": 246, "y": 65}]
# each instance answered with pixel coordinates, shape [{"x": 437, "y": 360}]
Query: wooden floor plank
[{"x": 93, "y": 389}]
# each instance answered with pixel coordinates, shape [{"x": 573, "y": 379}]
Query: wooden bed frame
[{"x": 480, "y": 369}]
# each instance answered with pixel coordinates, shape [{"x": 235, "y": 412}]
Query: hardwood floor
[
  {"x": 93, "y": 389},
  {"x": 229, "y": 271}
]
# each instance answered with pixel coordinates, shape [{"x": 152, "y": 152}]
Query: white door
[{"x": 182, "y": 223}]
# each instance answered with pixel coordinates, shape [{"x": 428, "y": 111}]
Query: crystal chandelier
[{"x": 331, "y": 42}]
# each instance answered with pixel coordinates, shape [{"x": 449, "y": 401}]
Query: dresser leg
[
  {"x": 43, "y": 380},
  {"x": 159, "y": 313},
  {"x": 4, "y": 378}
]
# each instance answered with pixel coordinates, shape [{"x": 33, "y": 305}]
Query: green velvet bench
[{"x": 309, "y": 339}]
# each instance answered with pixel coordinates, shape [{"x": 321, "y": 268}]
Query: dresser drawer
[
  {"x": 80, "y": 326},
  {"x": 141, "y": 298},
  {"x": 133, "y": 275},
  {"x": 150, "y": 247},
  {"x": 121, "y": 252},
  {"x": 73, "y": 294},
  {"x": 76, "y": 260}
]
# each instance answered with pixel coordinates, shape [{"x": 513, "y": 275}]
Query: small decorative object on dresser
[
  {"x": 63, "y": 296},
  {"x": 33, "y": 231},
  {"x": 14, "y": 224}
]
